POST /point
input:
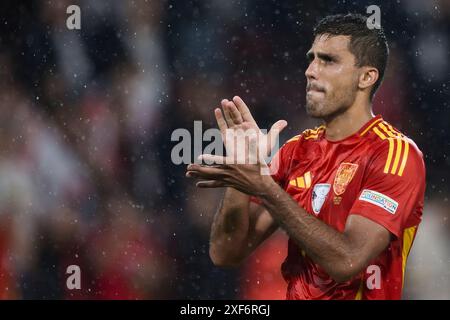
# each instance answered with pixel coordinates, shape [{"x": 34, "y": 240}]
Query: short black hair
[{"x": 369, "y": 46}]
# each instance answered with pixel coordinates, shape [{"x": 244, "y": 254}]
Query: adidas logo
[{"x": 302, "y": 182}]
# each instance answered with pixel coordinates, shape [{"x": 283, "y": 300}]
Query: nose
[{"x": 311, "y": 71}]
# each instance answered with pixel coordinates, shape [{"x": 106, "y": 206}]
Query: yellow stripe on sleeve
[
  {"x": 378, "y": 132},
  {"x": 389, "y": 157},
  {"x": 391, "y": 149},
  {"x": 405, "y": 158},
  {"x": 370, "y": 127},
  {"x": 397, "y": 156},
  {"x": 315, "y": 136},
  {"x": 393, "y": 134},
  {"x": 408, "y": 237},
  {"x": 392, "y": 129},
  {"x": 360, "y": 290},
  {"x": 390, "y": 134}
]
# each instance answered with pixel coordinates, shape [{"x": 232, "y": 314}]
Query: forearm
[
  {"x": 229, "y": 230},
  {"x": 327, "y": 247}
]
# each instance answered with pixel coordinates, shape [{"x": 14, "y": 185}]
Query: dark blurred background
[{"x": 86, "y": 118}]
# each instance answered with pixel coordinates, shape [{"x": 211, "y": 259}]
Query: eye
[{"x": 327, "y": 60}]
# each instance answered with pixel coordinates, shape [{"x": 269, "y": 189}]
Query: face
[{"x": 332, "y": 77}]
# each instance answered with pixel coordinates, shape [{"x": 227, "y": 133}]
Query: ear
[{"x": 368, "y": 77}]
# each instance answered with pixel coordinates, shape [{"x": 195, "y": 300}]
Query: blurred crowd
[{"x": 86, "y": 118}]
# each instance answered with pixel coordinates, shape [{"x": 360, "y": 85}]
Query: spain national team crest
[
  {"x": 319, "y": 195},
  {"x": 344, "y": 175}
]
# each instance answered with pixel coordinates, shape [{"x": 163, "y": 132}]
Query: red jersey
[{"x": 377, "y": 173}]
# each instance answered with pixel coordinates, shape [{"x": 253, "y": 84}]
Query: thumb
[{"x": 275, "y": 130}]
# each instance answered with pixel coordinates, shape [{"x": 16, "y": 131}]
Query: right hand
[{"x": 236, "y": 115}]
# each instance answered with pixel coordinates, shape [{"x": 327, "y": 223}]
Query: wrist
[{"x": 267, "y": 187}]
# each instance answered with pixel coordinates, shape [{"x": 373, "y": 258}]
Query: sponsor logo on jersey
[
  {"x": 380, "y": 200},
  {"x": 319, "y": 195},
  {"x": 344, "y": 175}
]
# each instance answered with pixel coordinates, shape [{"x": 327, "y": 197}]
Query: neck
[{"x": 349, "y": 122}]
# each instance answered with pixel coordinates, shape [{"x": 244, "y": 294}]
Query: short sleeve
[{"x": 393, "y": 188}]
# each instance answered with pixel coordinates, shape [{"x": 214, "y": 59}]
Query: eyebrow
[{"x": 321, "y": 55}]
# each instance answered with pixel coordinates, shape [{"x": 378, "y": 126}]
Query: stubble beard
[{"x": 326, "y": 110}]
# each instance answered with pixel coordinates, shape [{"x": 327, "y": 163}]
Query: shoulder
[
  {"x": 295, "y": 146},
  {"x": 306, "y": 135},
  {"x": 393, "y": 150}
]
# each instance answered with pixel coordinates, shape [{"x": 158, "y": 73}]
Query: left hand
[{"x": 248, "y": 177}]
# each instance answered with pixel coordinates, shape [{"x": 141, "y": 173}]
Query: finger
[
  {"x": 213, "y": 159},
  {"x": 220, "y": 121},
  {"x": 274, "y": 132},
  {"x": 234, "y": 113},
  {"x": 243, "y": 109},
  {"x": 205, "y": 175},
  {"x": 226, "y": 113},
  {"x": 197, "y": 167},
  {"x": 202, "y": 174},
  {"x": 210, "y": 184},
  {"x": 195, "y": 171}
]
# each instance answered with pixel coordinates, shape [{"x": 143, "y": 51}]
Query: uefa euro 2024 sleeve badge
[{"x": 344, "y": 175}]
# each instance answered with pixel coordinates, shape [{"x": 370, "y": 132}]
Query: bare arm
[
  {"x": 341, "y": 255},
  {"x": 239, "y": 227}
]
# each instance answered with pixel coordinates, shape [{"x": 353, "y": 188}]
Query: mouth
[
  {"x": 314, "y": 92},
  {"x": 314, "y": 89}
]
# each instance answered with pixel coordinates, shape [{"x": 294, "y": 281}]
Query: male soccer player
[{"x": 349, "y": 193}]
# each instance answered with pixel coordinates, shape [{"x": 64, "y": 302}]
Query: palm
[{"x": 237, "y": 124}]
